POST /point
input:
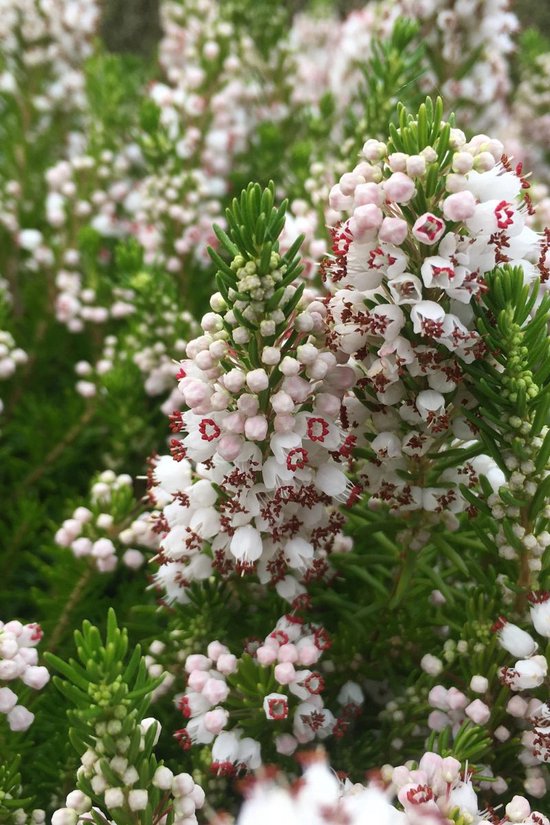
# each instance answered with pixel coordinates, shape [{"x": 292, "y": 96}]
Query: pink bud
[
  {"x": 393, "y": 230},
  {"x": 266, "y": 655},
  {"x": 368, "y": 193},
  {"x": 338, "y": 200},
  {"x": 460, "y": 206},
  {"x": 257, "y": 380},
  {"x": 308, "y": 653},
  {"x": 182, "y": 785},
  {"x": 198, "y": 796},
  {"x": 283, "y": 423},
  {"x": 437, "y": 720},
  {"x": 399, "y": 188},
  {"x": 479, "y": 684},
  {"x": 63, "y": 538},
  {"x": 134, "y": 559},
  {"x": 518, "y": 809},
  {"x": 216, "y": 691},
  {"x": 8, "y": 699},
  {"x": 286, "y": 744},
  {"x": 215, "y": 650},
  {"x": 229, "y": 446},
  {"x": 255, "y": 428},
  {"x": 234, "y": 380},
  {"x": 35, "y": 677},
  {"x": 368, "y": 216},
  {"x": 227, "y": 663},
  {"x": 437, "y": 697},
  {"x": 285, "y": 673},
  {"x": 197, "y": 662},
  {"x": 103, "y": 548},
  {"x": 195, "y": 392},
  {"x": 197, "y": 679},
  {"x": 517, "y": 707},
  {"x": 215, "y": 720},
  {"x": 456, "y": 699},
  {"x": 502, "y": 733},
  {"x": 478, "y": 712},
  {"x": 234, "y": 423},
  {"x": 81, "y": 547},
  {"x": 288, "y": 653},
  {"x": 107, "y": 565},
  {"x": 349, "y": 182},
  {"x": 19, "y": 718}
]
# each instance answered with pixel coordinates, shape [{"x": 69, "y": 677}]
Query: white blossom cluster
[
  {"x": 329, "y": 51},
  {"x": 531, "y": 117},
  {"x": 51, "y": 37},
  {"x": 11, "y": 357},
  {"x": 185, "y": 796},
  {"x": 19, "y": 660},
  {"x": 476, "y": 34},
  {"x": 433, "y": 791},
  {"x": 529, "y": 672},
  {"x": 268, "y": 473},
  {"x": 288, "y": 690},
  {"x": 403, "y": 279},
  {"x": 97, "y": 532}
]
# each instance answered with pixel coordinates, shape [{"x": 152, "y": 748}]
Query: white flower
[
  {"x": 540, "y": 613},
  {"x": 276, "y": 706},
  {"x": 298, "y": 553},
  {"x": 246, "y": 544},
  {"x": 515, "y": 640}
]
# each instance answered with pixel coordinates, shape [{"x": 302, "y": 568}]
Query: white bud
[
  {"x": 137, "y": 800},
  {"x": 163, "y": 778}
]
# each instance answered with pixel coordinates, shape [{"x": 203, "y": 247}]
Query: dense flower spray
[
  {"x": 19, "y": 660},
  {"x": 263, "y": 429},
  {"x": 469, "y": 46},
  {"x": 430, "y": 214}
]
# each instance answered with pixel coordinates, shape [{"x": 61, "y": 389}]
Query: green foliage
[
  {"x": 109, "y": 692},
  {"x": 113, "y": 86},
  {"x": 11, "y": 800},
  {"x": 513, "y": 323}
]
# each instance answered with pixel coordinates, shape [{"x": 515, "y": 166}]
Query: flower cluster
[
  {"x": 206, "y": 109},
  {"x": 434, "y": 790},
  {"x": 424, "y": 227},
  {"x": 286, "y": 688},
  {"x": 439, "y": 788},
  {"x": 262, "y": 431},
  {"x": 97, "y": 531},
  {"x": 19, "y": 660},
  {"x": 318, "y": 798},
  {"x": 472, "y": 42},
  {"x": 11, "y": 357},
  {"x": 530, "y": 114},
  {"x": 51, "y": 38},
  {"x": 528, "y": 673},
  {"x": 115, "y": 779}
]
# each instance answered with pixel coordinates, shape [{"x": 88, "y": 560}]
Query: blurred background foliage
[{"x": 134, "y": 25}]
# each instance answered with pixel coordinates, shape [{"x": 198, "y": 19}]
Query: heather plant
[{"x": 274, "y": 445}]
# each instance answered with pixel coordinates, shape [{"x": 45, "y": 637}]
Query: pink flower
[
  {"x": 428, "y": 229},
  {"x": 276, "y": 706}
]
